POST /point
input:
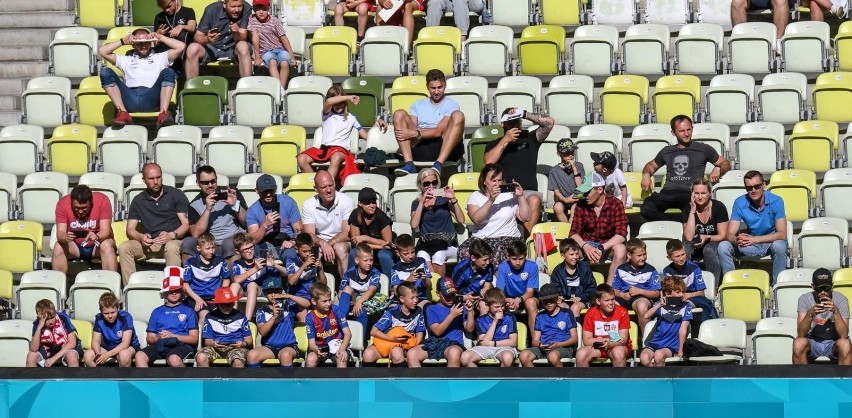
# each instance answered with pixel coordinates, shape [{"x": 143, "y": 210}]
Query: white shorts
[
  {"x": 488, "y": 353},
  {"x": 440, "y": 258}
]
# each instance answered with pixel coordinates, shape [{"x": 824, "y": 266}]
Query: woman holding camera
[
  {"x": 368, "y": 223},
  {"x": 433, "y": 213},
  {"x": 705, "y": 221},
  {"x": 495, "y": 211}
]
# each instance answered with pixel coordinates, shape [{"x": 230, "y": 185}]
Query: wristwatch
[{"x": 419, "y": 136}]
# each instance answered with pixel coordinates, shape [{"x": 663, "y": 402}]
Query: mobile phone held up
[
  {"x": 315, "y": 251},
  {"x": 459, "y": 300},
  {"x": 507, "y": 188},
  {"x": 222, "y": 194}
]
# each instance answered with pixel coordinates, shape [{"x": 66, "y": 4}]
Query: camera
[
  {"x": 507, "y": 188},
  {"x": 222, "y": 194},
  {"x": 315, "y": 252},
  {"x": 438, "y": 192},
  {"x": 80, "y": 234}
]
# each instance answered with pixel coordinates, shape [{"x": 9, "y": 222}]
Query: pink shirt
[{"x": 101, "y": 209}]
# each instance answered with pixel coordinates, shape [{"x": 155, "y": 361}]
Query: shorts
[
  {"x": 428, "y": 149},
  {"x": 216, "y": 54},
  {"x": 606, "y": 255},
  {"x": 279, "y": 54},
  {"x": 231, "y": 353},
  {"x": 181, "y": 350},
  {"x": 207, "y": 305},
  {"x": 324, "y": 153},
  {"x": 605, "y": 354},
  {"x": 396, "y": 19},
  {"x": 528, "y": 193},
  {"x": 276, "y": 350},
  {"x": 189, "y": 246},
  {"x": 655, "y": 347},
  {"x": 490, "y": 353},
  {"x": 440, "y": 257},
  {"x": 44, "y": 354},
  {"x": 564, "y": 352},
  {"x": 759, "y": 4},
  {"x": 86, "y": 253},
  {"x": 629, "y": 303},
  {"x": 824, "y": 348}
]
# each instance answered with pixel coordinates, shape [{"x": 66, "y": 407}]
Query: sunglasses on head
[{"x": 433, "y": 183}]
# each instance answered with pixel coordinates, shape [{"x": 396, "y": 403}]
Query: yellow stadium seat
[
  {"x": 842, "y": 279},
  {"x": 71, "y": 149},
  {"x": 798, "y": 190},
  {"x": 560, "y": 231},
  {"x": 333, "y": 51},
  {"x": 744, "y": 294},
  {"x": 832, "y": 93},
  {"x": 676, "y": 95},
  {"x": 20, "y": 253},
  {"x": 541, "y": 50},
  {"x": 624, "y": 100},
  {"x": 813, "y": 145},
  {"x": 100, "y": 13},
  {"x": 559, "y": 12},
  {"x": 843, "y": 46},
  {"x": 282, "y": 143},
  {"x": 405, "y": 91},
  {"x": 438, "y": 47},
  {"x": 301, "y": 187},
  {"x": 464, "y": 184},
  {"x": 84, "y": 332},
  {"x": 93, "y": 105}
]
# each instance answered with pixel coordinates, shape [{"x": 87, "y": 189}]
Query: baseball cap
[
  {"x": 273, "y": 285},
  {"x": 606, "y": 159},
  {"x": 137, "y": 30},
  {"x": 265, "y": 183},
  {"x": 224, "y": 295},
  {"x": 172, "y": 279},
  {"x": 447, "y": 287},
  {"x": 547, "y": 292},
  {"x": 591, "y": 180},
  {"x": 822, "y": 277},
  {"x": 260, "y": 3},
  {"x": 565, "y": 145},
  {"x": 367, "y": 195}
]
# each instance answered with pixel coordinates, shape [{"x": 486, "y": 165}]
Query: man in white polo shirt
[{"x": 325, "y": 216}]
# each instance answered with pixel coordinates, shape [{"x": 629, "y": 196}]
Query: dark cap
[
  {"x": 367, "y": 195},
  {"x": 273, "y": 285},
  {"x": 547, "y": 292},
  {"x": 265, "y": 183},
  {"x": 447, "y": 287},
  {"x": 606, "y": 159},
  {"x": 565, "y": 145},
  {"x": 822, "y": 277}
]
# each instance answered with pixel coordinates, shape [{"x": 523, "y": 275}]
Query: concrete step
[
  {"x": 36, "y": 5},
  {"x": 26, "y": 37},
  {"x": 10, "y": 103},
  {"x": 37, "y": 20},
  {"x": 23, "y": 53},
  {"x": 23, "y": 69},
  {"x": 12, "y": 117},
  {"x": 12, "y": 86}
]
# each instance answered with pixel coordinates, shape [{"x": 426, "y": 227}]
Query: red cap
[
  {"x": 223, "y": 295},
  {"x": 260, "y": 3}
]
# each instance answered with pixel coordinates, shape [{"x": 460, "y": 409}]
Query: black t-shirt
[
  {"x": 683, "y": 165},
  {"x": 519, "y": 160},
  {"x": 159, "y": 215},
  {"x": 718, "y": 214},
  {"x": 181, "y": 17},
  {"x": 374, "y": 229}
]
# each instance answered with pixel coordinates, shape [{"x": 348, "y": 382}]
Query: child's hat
[
  {"x": 447, "y": 287},
  {"x": 223, "y": 295},
  {"x": 547, "y": 292},
  {"x": 172, "y": 278},
  {"x": 565, "y": 145},
  {"x": 606, "y": 159},
  {"x": 273, "y": 285},
  {"x": 260, "y": 3}
]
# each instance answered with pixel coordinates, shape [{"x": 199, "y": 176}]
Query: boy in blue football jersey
[
  {"x": 692, "y": 277},
  {"x": 475, "y": 275},
  {"x": 447, "y": 320},
  {"x": 113, "y": 335},
  {"x": 497, "y": 334},
  {"x": 55, "y": 340},
  {"x": 251, "y": 270},
  {"x": 172, "y": 332},
  {"x": 673, "y": 314},
  {"x": 636, "y": 283},
  {"x": 204, "y": 273},
  {"x": 361, "y": 287},
  {"x": 275, "y": 325},
  {"x": 327, "y": 329},
  {"x": 573, "y": 278},
  {"x": 303, "y": 271},
  {"x": 517, "y": 277},
  {"x": 555, "y": 334},
  {"x": 411, "y": 268},
  {"x": 399, "y": 331},
  {"x": 226, "y": 332}
]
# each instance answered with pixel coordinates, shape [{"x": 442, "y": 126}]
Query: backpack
[{"x": 692, "y": 347}]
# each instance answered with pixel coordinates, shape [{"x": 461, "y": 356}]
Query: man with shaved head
[{"x": 325, "y": 216}]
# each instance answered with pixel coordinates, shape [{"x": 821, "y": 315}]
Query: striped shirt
[{"x": 270, "y": 32}]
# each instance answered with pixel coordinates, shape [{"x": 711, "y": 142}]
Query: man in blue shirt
[
  {"x": 434, "y": 122},
  {"x": 765, "y": 222},
  {"x": 273, "y": 219}
]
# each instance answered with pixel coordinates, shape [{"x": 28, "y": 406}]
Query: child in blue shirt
[
  {"x": 692, "y": 277},
  {"x": 475, "y": 275},
  {"x": 636, "y": 283},
  {"x": 251, "y": 270},
  {"x": 204, "y": 273},
  {"x": 275, "y": 326},
  {"x": 555, "y": 334},
  {"x": 172, "y": 332},
  {"x": 573, "y": 278},
  {"x": 411, "y": 268},
  {"x": 517, "y": 277},
  {"x": 497, "y": 334},
  {"x": 447, "y": 320},
  {"x": 113, "y": 335},
  {"x": 226, "y": 332},
  {"x": 360, "y": 288},
  {"x": 303, "y": 271},
  {"x": 328, "y": 331},
  {"x": 673, "y": 314},
  {"x": 55, "y": 340},
  {"x": 398, "y": 333}
]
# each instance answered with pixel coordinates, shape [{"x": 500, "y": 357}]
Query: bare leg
[
  {"x": 166, "y": 97},
  {"x": 273, "y": 69},
  {"x": 335, "y": 164},
  {"x": 780, "y": 16},
  {"x": 362, "y": 10},
  {"x": 452, "y": 136},
  {"x": 401, "y": 120},
  {"x": 114, "y": 94},
  {"x": 194, "y": 53},
  {"x": 535, "y": 212},
  {"x": 305, "y": 163},
  {"x": 243, "y": 54},
  {"x": 738, "y": 11}
]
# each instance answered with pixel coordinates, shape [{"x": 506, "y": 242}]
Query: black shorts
[
  {"x": 215, "y": 54},
  {"x": 181, "y": 350},
  {"x": 629, "y": 303},
  {"x": 276, "y": 350},
  {"x": 759, "y": 4},
  {"x": 429, "y": 149}
]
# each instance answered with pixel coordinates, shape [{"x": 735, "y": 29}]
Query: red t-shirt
[
  {"x": 600, "y": 326},
  {"x": 101, "y": 209}
]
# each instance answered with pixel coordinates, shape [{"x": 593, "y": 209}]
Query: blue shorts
[
  {"x": 276, "y": 350},
  {"x": 86, "y": 253},
  {"x": 279, "y": 55},
  {"x": 824, "y": 348}
]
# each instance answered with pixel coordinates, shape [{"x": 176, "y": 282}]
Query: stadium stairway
[{"x": 26, "y": 29}]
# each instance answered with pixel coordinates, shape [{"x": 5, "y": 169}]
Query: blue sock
[{"x": 253, "y": 365}]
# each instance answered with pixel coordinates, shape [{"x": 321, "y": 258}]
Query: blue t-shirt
[
  {"x": 468, "y": 280},
  {"x": 430, "y": 115},
  {"x": 667, "y": 331},
  {"x": 514, "y": 283},
  {"x": 691, "y": 274},
  {"x": 324, "y": 328},
  {"x": 437, "y": 313},
  {"x": 111, "y": 333},
  {"x": 302, "y": 288},
  {"x": 438, "y": 218},
  {"x": 759, "y": 221},
  {"x": 204, "y": 278},
  {"x": 645, "y": 278},
  {"x": 352, "y": 279},
  {"x": 555, "y": 328},
  {"x": 412, "y": 322},
  {"x": 402, "y": 271},
  {"x": 258, "y": 277},
  {"x": 178, "y": 320},
  {"x": 226, "y": 329},
  {"x": 506, "y": 327},
  {"x": 288, "y": 212},
  {"x": 282, "y": 334}
]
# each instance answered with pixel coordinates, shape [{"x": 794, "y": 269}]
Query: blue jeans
[
  {"x": 280, "y": 55},
  {"x": 139, "y": 99},
  {"x": 386, "y": 263},
  {"x": 777, "y": 249}
]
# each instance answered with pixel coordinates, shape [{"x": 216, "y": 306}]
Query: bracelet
[
  {"x": 454, "y": 201},
  {"x": 577, "y": 175},
  {"x": 121, "y": 41},
  {"x": 495, "y": 343}
]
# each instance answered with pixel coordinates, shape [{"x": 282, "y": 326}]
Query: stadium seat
[
  {"x": 744, "y": 294},
  {"x": 842, "y": 46},
  {"x": 142, "y": 13},
  {"x": 792, "y": 283},
  {"x": 203, "y": 101},
  {"x": 844, "y": 154},
  {"x": 645, "y": 50},
  {"x": 38, "y": 195},
  {"x": 247, "y": 184},
  {"x": 400, "y": 198},
  {"x": 301, "y": 187},
  {"x": 15, "y": 337},
  {"x": 562, "y": 13},
  {"x": 304, "y": 100},
  {"x": 598, "y": 138},
  {"x": 464, "y": 184},
  {"x": 824, "y": 242},
  {"x": 842, "y": 279},
  {"x": 298, "y": 41},
  {"x": 279, "y": 144},
  {"x": 141, "y": 328},
  {"x": 805, "y": 47},
  {"x": 8, "y": 196},
  {"x": 646, "y": 142},
  {"x": 71, "y": 149},
  {"x": 438, "y": 47},
  {"x": 123, "y": 151},
  {"x": 111, "y": 185},
  {"x": 475, "y": 153},
  {"x": 677, "y": 95},
  {"x": 726, "y": 334},
  {"x": 831, "y": 93},
  {"x": 614, "y": 12},
  {"x": 717, "y": 135},
  {"x": 751, "y": 48},
  {"x": 384, "y": 51},
  {"x": 624, "y": 100},
  {"x": 256, "y": 102},
  {"x": 104, "y": 14},
  {"x": 333, "y": 51},
  {"x": 21, "y": 148},
  {"x": 517, "y": 91},
  {"x": 471, "y": 93},
  {"x": 484, "y": 47},
  {"x": 404, "y": 92},
  {"x": 229, "y": 149},
  {"x": 84, "y": 329},
  {"x": 541, "y": 50},
  {"x": 667, "y": 12},
  {"x": 560, "y": 231},
  {"x": 38, "y": 285},
  {"x": 783, "y": 97},
  {"x": 833, "y": 194},
  {"x": 47, "y": 101},
  {"x": 355, "y": 182},
  {"x": 371, "y": 91},
  {"x": 568, "y": 99},
  {"x": 760, "y": 146},
  {"x": 729, "y": 99},
  {"x": 88, "y": 287},
  {"x": 520, "y": 13},
  {"x": 772, "y": 341},
  {"x": 92, "y": 103},
  {"x": 69, "y": 47},
  {"x": 385, "y": 141},
  {"x": 798, "y": 190},
  {"x": 656, "y": 235},
  {"x": 699, "y": 49},
  {"x": 813, "y": 145},
  {"x": 176, "y": 149},
  {"x": 594, "y": 51}
]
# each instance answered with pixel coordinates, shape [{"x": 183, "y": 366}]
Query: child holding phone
[
  {"x": 606, "y": 331},
  {"x": 673, "y": 315},
  {"x": 447, "y": 320},
  {"x": 303, "y": 271},
  {"x": 412, "y": 269},
  {"x": 252, "y": 270},
  {"x": 555, "y": 333}
]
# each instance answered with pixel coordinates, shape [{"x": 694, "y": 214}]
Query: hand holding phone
[
  {"x": 507, "y": 188},
  {"x": 599, "y": 345}
]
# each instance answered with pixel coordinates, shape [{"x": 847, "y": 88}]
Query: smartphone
[
  {"x": 507, "y": 188},
  {"x": 419, "y": 270},
  {"x": 315, "y": 251},
  {"x": 80, "y": 234},
  {"x": 598, "y": 345},
  {"x": 213, "y": 30},
  {"x": 438, "y": 192},
  {"x": 674, "y": 300},
  {"x": 222, "y": 194},
  {"x": 459, "y": 300}
]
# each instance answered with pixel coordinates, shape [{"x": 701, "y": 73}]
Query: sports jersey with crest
[
  {"x": 204, "y": 278},
  {"x": 360, "y": 285},
  {"x": 437, "y": 312},
  {"x": 111, "y": 334},
  {"x": 225, "y": 328},
  {"x": 666, "y": 333},
  {"x": 645, "y": 277},
  {"x": 606, "y": 326},
  {"x": 402, "y": 271},
  {"x": 282, "y": 332},
  {"x": 469, "y": 280},
  {"x": 555, "y": 328},
  {"x": 258, "y": 277},
  {"x": 413, "y": 322},
  {"x": 505, "y": 327},
  {"x": 178, "y": 320},
  {"x": 302, "y": 288},
  {"x": 324, "y": 328},
  {"x": 514, "y": 283},
  {"x": 691, "y": 274}
]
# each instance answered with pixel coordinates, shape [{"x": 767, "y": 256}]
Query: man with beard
[
  {"x": 222, "y": 35},
  {"x": 274, "y": 220},
  {"x": 599, "y": 225}
]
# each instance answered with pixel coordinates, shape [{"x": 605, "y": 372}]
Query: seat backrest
[
  {"x": 752, "y": 277},
  {"x": 709, "y": 130},
  {"x": 615, "y": 132},
  {"x": 27, "y": 131},
  {"x": 106, "y": 278},
  {"x": 817, "y": 128},
  {"x": 502, "y": 34},
  {"x": 796, "y": 81},
  {"x": 464, "y": 182},
  {"x": 768, "y": 130},
  {"x": 551, "y": 33},
  {"x": 634, "y": 83},
  {"x": 761, "y": 30},
  {"x": 110, "y": 181},
  {"x": 9, "y": 183},
  {"x": 316, "y": 83},
  {"x": 168, "y": 179},
  {"x": 469, "y": 83},
  {"x": 136, "y": 133},
  {"x": 77, "y": 34},
  {"x": 654, "y": 130},
  {"x": 780, "y": 325},
  {"x": 336, "y": 34},
  {"x": 810, "y": 28},
  {"x": 61, "y": 85},
  {"x": 397, "y": 34},
  {"x": 739, "y": 82},
  {"x": 837, "y": 174},
  {"x": 77, "y": 131},
  {"x": 52, "y": 179},
  {"x": 681, "y": 82},
  {"x": 838, "y": 225},
  {"x": 671, "y": 228},
  {"x": 837, "y": 78},
  {"x": 800, "y": 274},
  {"x": 723, "y": 333},
  {"x": 297, "y": 38},
  {"x": 146, "y": 278},
  {"x": 792, "y": 177},
  {"x": 50, "y": 278},
  {"x": 448, "y": 34},
  {"x": 597, "y": 33},
  {"x": 218, "y": 84},
  {"x": 243, "y": 133},
  {"x": 181, "y": 131},
  {"x": 649, "y": 31},
  {"x": 267, "y": 84},
  {"x": 579, "y": 82},
  {"x": 415, "y": 82},
  {"x": 528, "y": 84},
  {"x": 709, "y": 31},
  {"x": 302, "y": 181}
]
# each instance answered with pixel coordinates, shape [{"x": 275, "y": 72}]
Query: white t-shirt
[
  {"x": 328, "y": 222},
  {"x": 142, "y": 72},
  {"x": 501, "y": 217},
  {"x": 614, "y": 182},
  {"x": 336, "y": 129}
]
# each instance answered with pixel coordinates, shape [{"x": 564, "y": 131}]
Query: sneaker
[
  {"x": 165, "y": 119},
  {"x": 839, "y": 9},
  {"x": 438, "y": 167},
  {"x": 122, "y": 118},
  {"x": 406, "y": 169}
]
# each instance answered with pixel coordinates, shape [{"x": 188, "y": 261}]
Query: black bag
[
  {"x": 374, "y": 157},
  {"x": 695, "y": 348}
]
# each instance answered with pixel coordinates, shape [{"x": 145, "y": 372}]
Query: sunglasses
[
  {"x": 755, "y": 187},
  {"x": 206, "y": 182},
  {"x": 433, "y": 183},
  {"x": 823, "y": 288}
]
